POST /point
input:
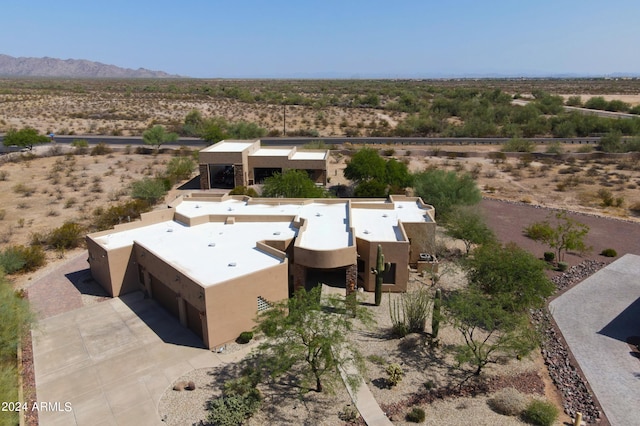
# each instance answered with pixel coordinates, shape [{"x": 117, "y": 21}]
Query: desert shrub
[
  {"x": 24, "y": 189},
  {"x": 563, "y": 266},
  {"x": 394, "y": 374},
  {"x": 606, "y": 197},
  {"x": 101, "y": 149},
  {"x": 609, "y": 252},
  {"x": 150, "y": 190},
  {"x": 409, "y": 312},
  {"x": 67, "y": 236},
  {"x": 389, "y": 152},
  {"x": 549, "y": 256},
  {"x": 240, "y": 400},
  {"x": 508, "y": 402},
  {"x": 416, "y": 415},
  {"x": 245, "y": 337},
  {"x": 4, "y": 175},
  {"x": 518, "y": 145},
  {"x": 539, "y": 412},
  {"x": 119, "y": 213},
  {"x": 348, "y": 414},
  {"x": 243, "y": 190},
  {"x": 3, "y": 213},
  {"x": 80, "y": 145},
  {"x": 635, "y": 208},
  {"x": 22, "y": 259},
  {"x": 377, "y": 359},
  {"x": 498, "y": 157},
  {"x": 231, "y": 410},
  {"x": 180, "y": 168}
]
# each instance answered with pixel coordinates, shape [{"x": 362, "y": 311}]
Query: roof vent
[
  {"x": 366, "y": 231},
  {"x": 318, "y": 214},
  {"x": 197, "y": 206},
  {"x": 212, "y": 244},
  {"x": 169, "y": 229},
  {"x": 230, "y": 209},
  {"x": 384, "y": 215},
  {"x": 400, "y": 206},
  {"x": 276, "y": 233},
  {"x": 232, "y": 264}
]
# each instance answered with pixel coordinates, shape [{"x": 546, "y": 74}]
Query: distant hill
[{"x": 71, "y": 68}]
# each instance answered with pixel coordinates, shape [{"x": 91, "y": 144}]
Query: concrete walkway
[
  {"x": 364, "y": 400},
  {"x": 113, "y": 361},
  {"x": 596, "y": 317}
]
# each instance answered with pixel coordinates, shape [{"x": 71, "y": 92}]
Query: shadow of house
[{"x": 625, "y": 325}]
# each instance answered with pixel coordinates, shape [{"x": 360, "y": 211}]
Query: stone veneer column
[
  {"x": 351, "y": 278},
  {"x": 204, "y": 176},
  {"x": 238, "y": 175},
  {"x": 299, "y": 276}
]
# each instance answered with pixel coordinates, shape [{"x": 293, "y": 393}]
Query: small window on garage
[
  {"x": 389, "y": 276},
  {"x": 263, "y": 305}
]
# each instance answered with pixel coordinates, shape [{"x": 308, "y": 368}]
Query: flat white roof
[
  {"x": 229, "y": 146},
  {"x": 272, "y": 152},
  {"x": 309, "y": 155},
  {"x": 376, "y": 225},
  {"x": 326, "y": 228},
  {"x": 209, "y": 253}
]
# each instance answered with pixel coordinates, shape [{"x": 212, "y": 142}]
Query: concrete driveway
[
  {"x": 596, "y": 317},
  {"x": 112, "y": 361}
]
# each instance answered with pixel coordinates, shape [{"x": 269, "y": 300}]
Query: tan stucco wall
[
  {"x": 232, "y": 306},
  {"x": 394, "y": 252}
]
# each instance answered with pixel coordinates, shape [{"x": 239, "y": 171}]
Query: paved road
[{"x": 299, "y": 141}]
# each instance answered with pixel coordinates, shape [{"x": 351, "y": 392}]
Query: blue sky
[{"x": 327, "y": 38}]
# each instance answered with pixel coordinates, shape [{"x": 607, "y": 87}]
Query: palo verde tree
[
  {"x": 24, "y": 138},
  {"x": 561, "y": 233},
  {"x": 292, "y": 184},
  {"x": 446, "y": 189},
  {"x": 488, "y": 330},
  {"x": 466, "y": 223},
  {"x": 157, "y": 136},
  {"x": 308, "y": 334},
  {"x": 511, "y": 276}
]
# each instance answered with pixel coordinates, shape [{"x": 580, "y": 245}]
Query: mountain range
[{"x": 70, "y": 68}]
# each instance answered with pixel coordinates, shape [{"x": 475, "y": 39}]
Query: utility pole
[{"x": 284, "y": 118}]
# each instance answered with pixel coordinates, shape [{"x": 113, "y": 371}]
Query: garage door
[
  {"x": 193, "y": 319},
  {"x": 165, "y": 296}
]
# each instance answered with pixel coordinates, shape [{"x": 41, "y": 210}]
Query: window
[{"x": 389, "y": 276}]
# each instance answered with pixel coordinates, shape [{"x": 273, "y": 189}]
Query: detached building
[
  {"x": 215, "y": 262},
  {"x": 228, "y": 164}
]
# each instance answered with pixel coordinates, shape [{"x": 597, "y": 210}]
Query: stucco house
[
  {"x": 232, "y": 163},
  {"x": 214, "y": 262}
]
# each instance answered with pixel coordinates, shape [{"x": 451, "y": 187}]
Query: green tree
[
  {"x": 24, "y": 138},
  {"x": 511, "y": 276},
  {"x": 214, "y": 129},
  {"x": 564, "y": 234},
  {"x": 366, "y": 164},
  {"x": 612, "y": 142},
  {"x": 292, "y": 184},
  {"x": 309, "y": 334},
  {"x": 370, "y": 189},
  {"x": 597, "y": 102},
  {"x": 397, "y": 174},
  {"x": 245, "y": 130},
  {"x": 157, "y": 136},
  {"x": 193, "y": 123},
  {"x": 489, "y": 331},
  {"x": 446, "y": 189},
  {"x": 466, "y": 223}
]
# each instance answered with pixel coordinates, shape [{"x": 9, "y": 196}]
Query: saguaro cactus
[
  {"x": 379, "y": 271},
  {"x": 436, "y": 315}
]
